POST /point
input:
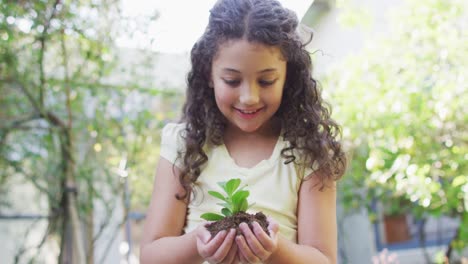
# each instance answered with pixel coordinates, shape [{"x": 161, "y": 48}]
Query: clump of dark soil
[{"x": 235, "y": 220}]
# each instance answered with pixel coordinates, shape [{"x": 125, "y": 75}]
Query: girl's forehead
[{"x": 243, "y": 51}]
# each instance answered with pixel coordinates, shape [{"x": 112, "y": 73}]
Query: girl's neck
[
  {"x": 249, "y": 149},
  {"x": 272, "y": 130}
]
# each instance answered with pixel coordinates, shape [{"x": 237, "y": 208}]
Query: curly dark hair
[{"x": 305, "y": 117}]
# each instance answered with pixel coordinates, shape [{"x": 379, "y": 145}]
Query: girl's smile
[{"x": 248, "y": 114}]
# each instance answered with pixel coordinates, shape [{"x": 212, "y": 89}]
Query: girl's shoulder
[
  {"x": 172, "y": 135},
  {"x": 172, "y": 142},
  {"x": 173, "y": 130},
  {"x": 303, "y": 164}
]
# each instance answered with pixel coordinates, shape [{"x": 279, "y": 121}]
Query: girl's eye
[
  {"x": 266, "y": 82},
  {"x": 231, "y": 82}
]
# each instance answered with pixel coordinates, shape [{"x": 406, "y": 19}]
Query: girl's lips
[{"x": 248, "y": 114}]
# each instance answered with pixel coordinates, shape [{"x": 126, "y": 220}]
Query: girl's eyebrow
[{"x": 262, "y": 71}]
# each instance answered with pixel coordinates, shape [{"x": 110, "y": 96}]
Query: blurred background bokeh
[{"x": 87, "y": 85}]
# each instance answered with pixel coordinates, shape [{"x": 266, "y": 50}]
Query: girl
[{"x": 253, "y": 112}]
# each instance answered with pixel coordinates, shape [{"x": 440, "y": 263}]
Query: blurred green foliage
[
  {"x": 403, "y": 103},
  {"x": 74, "y": 107}
]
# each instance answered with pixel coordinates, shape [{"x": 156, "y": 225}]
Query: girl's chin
[{"x": 248, "y": 128}]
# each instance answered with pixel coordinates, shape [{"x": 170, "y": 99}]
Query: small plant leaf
[
  {"x": 235, "y": 201},
  {"x": 217, "y": 195},
  {"x": 226, "y": 212},
  {"x": 222, "y": 185},
  {"x": 239, "y": 196},
  {"x": 227, "y": 205},
  {"x": 232, "y": 185},
  {"x": 244, "y": 206},
  {"x": 211, "y": 216}
]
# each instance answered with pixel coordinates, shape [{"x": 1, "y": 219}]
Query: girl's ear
[{"x": 210, "y": 83}]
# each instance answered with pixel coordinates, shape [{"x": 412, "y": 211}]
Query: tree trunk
[
  {"x": 73, "y": 233},
  {"x": 78, "y": 249},
  {"x": 90, "y": 227},
  {"x": 66, "y": 252}
]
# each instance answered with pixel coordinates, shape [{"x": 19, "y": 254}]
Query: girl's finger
[
  {"x": 232, "y": 254},
  {"x": 236, "y": 259},
  {"x": 223, "y": 250},
  {"x": 242, "y": 259},
  {"x": 204, "y": 235},
  {"x": 255, "y": 246},
  {"x": 207, "y": 250},
  {"x": 268, "y": 243},
  {"x": 248, "y": 255},
  {"x": 273, "y": 226}
]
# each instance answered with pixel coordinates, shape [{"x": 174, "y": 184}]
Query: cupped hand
[
  {"x": 218, "y": 249},
  {"x": 256, "y": 246}
]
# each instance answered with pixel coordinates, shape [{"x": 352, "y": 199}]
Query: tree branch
[
  {"x": 23, "y": 249},
  {"x": 50, "y": 117},
  {"x": 26, "y": 127},
  {"x": 67, "y": 78},
  {"x": 448, "y": 252},
  {"x": 19, "y": 122},
  {"x": 19, "y": 169},
  {"x": 31, "y": 99},
  {"x": 42, "y": 41},
  {"x": 130, "y": 87}
]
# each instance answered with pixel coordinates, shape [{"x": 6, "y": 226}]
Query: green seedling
[{"x": 234, "y": 201}]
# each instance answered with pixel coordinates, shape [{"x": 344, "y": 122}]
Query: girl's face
[{"x": 248, "y": 80}]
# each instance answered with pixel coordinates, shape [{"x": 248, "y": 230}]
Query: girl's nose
[{"x": 249, "y": 95}]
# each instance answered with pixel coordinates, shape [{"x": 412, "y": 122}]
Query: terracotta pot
[{"x": 396, "y": 228}]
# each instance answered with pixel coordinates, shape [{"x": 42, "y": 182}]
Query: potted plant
[
  {"x": 233, "y": 212},
  {"x": 395, "y": 219}
]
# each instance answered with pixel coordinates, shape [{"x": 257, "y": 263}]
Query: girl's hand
[
  {"x": 219, "y": 249},
  {"x": 257, "y": 246}
]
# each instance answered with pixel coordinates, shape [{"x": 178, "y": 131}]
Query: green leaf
[
  {"x": 222, "y": 185},
  {"x": 211, "y": 216},
  {"x": 226, "y": 212},
  {"x": 238, "y": 198},
  {"x": 217, "y": 195},
  {"x": 227, "y": 205},
  {"x": 235, "y": 201},
  {"x": 459, "y": 180},
  {"x": 244, "y": 206},
  {"x": 232, "y": 185}
]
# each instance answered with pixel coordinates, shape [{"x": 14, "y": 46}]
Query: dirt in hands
[{"x": 235, "y": 220}]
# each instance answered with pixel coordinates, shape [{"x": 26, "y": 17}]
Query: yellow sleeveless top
[{"x": 273, "y": 185}]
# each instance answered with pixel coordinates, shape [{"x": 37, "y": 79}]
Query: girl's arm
[
  {"x": 162, "y": 241},
  {"x": 316, "y": 227},
  {"x": 316, "y": 231}
]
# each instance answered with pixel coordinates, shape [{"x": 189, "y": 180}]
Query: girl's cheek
[{"x": 225, "y": 94}]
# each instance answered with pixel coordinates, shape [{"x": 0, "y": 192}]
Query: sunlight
[{"x": 180, "y": 23}]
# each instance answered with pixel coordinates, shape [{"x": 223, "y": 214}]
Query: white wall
[
  {"x": 337, "y": 41},
  {"x": 25, "y": 234}
]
